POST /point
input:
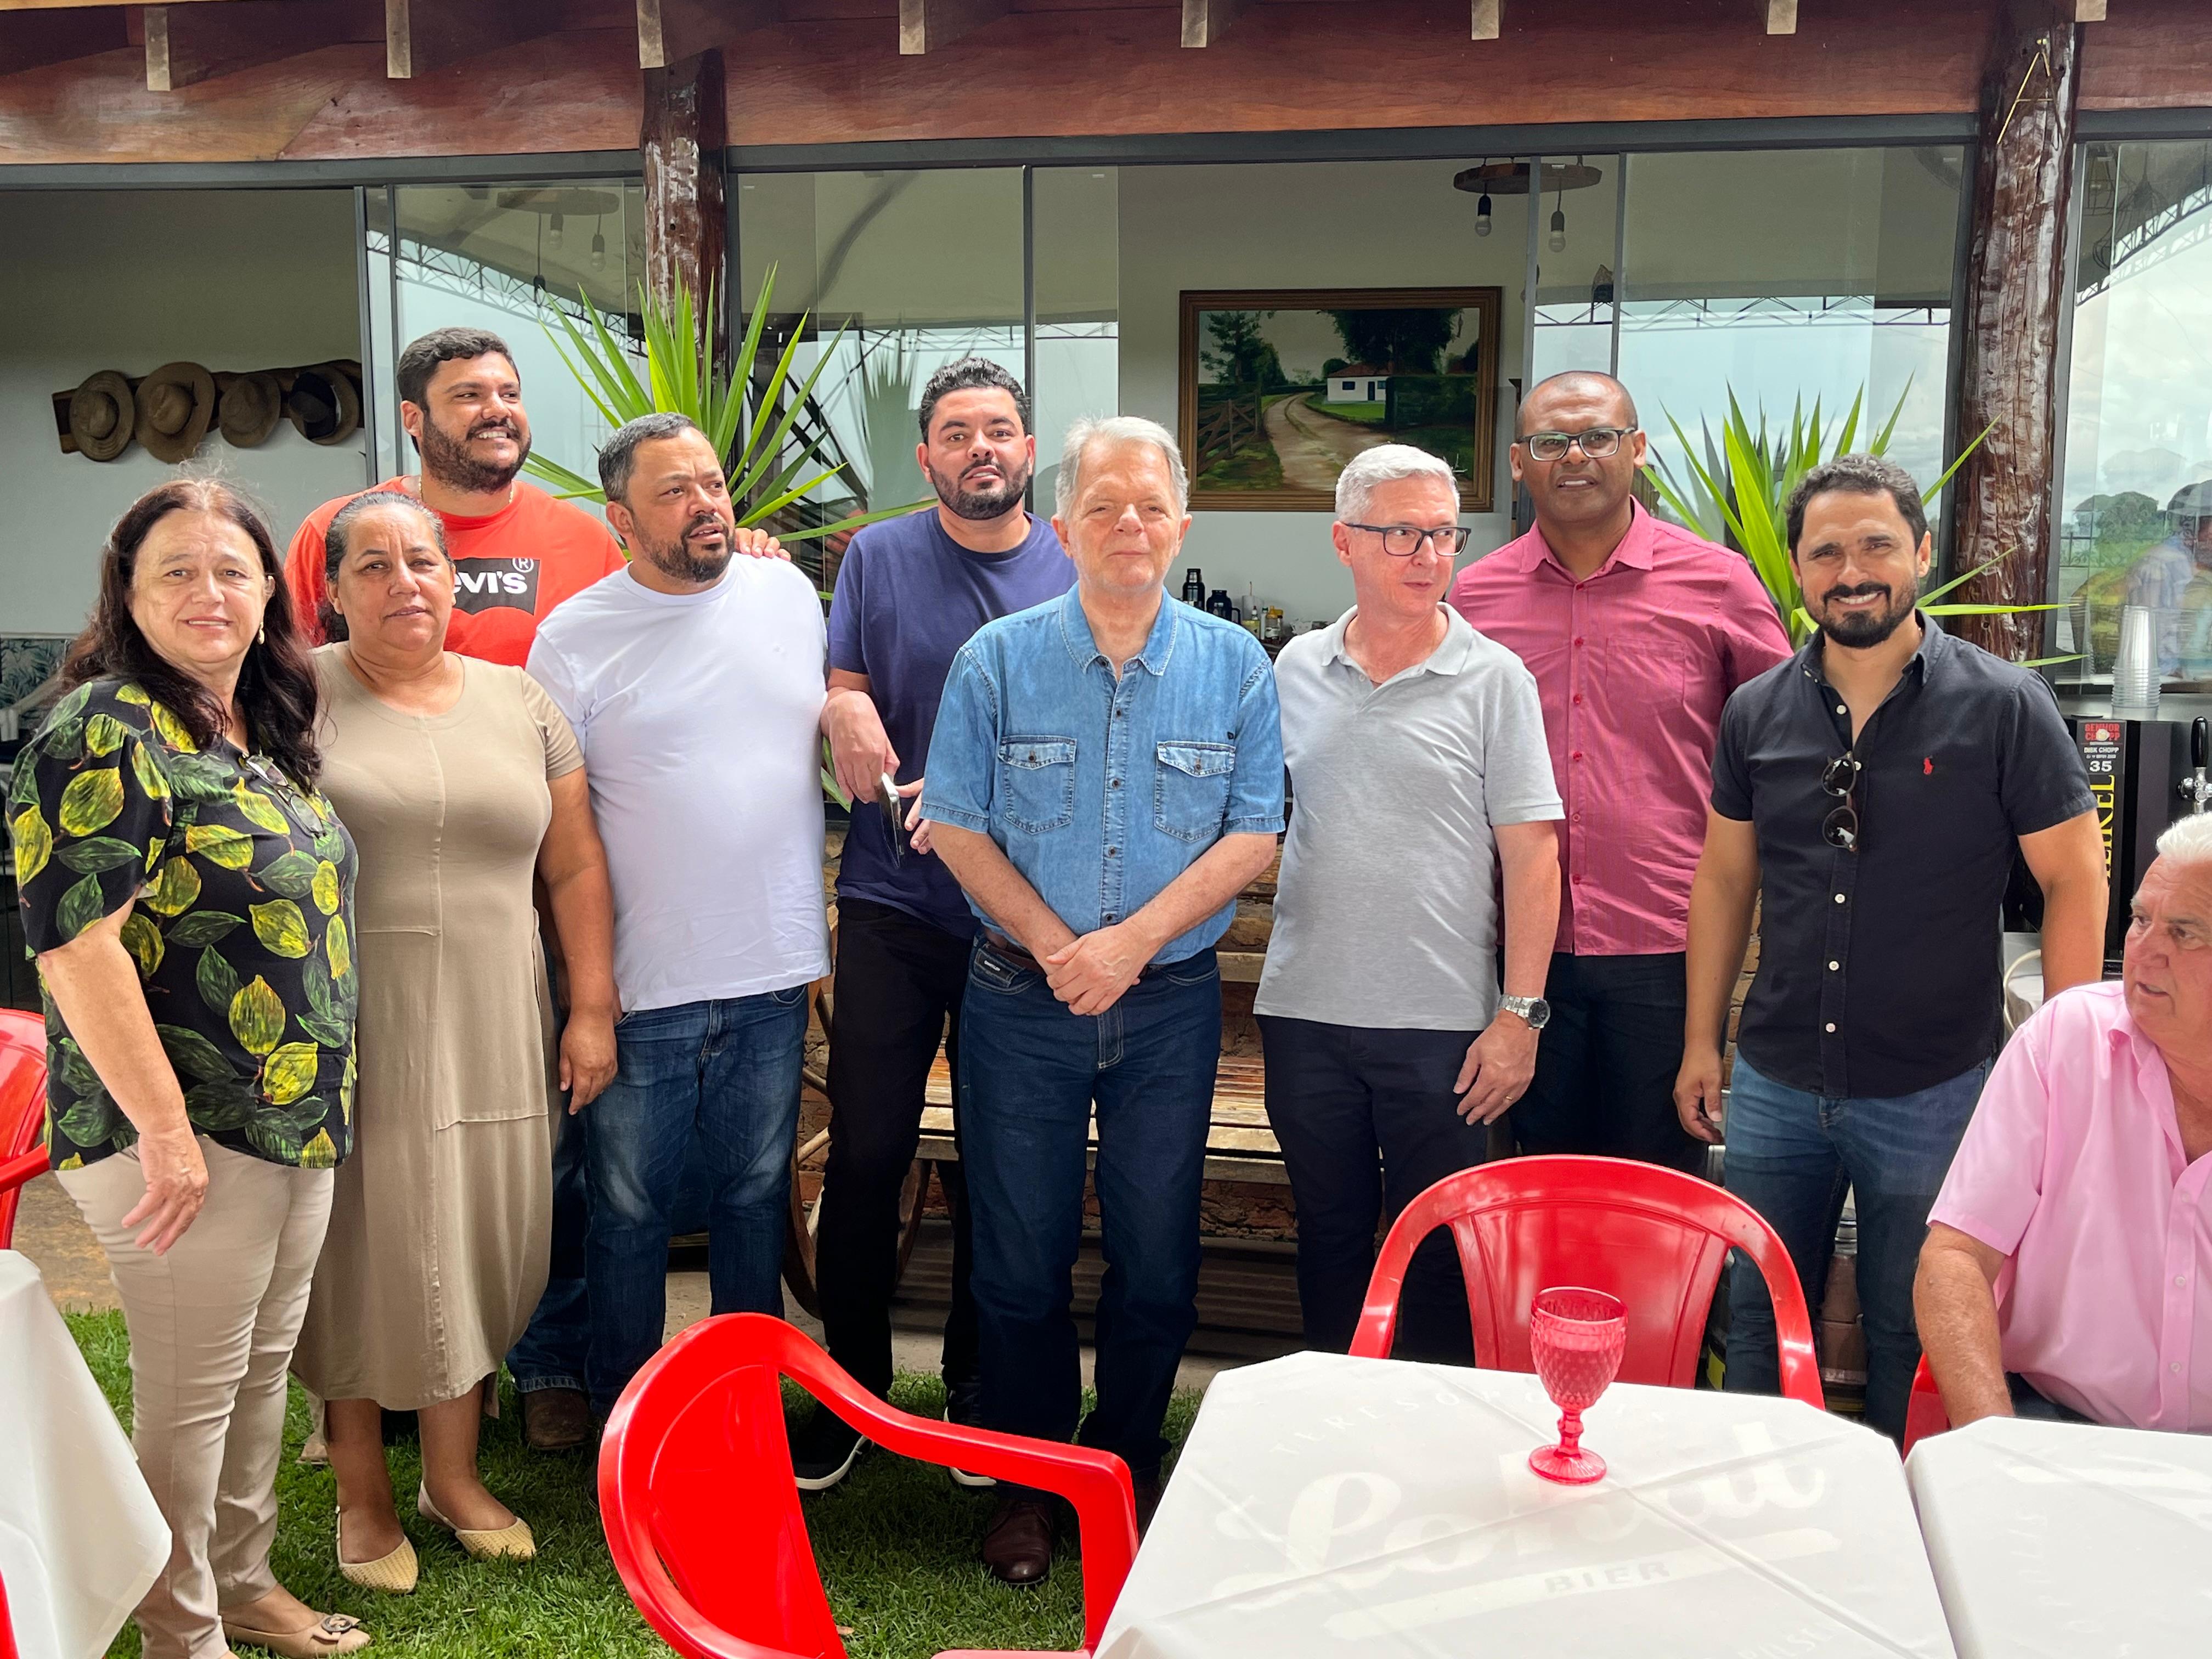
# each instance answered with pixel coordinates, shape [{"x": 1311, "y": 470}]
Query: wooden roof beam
[
  {"x": 670, "y": 31},
  {"x": 1781, "y": 16},
  {"x": 1204, "y": 21},
  {"x": 1488, "y": 21},
  {"x": 35, "y": 39},
  {"x": 423, "y": 36},
  {"x": 188, "y": 44},
  {"x": 930, "y": 25}
]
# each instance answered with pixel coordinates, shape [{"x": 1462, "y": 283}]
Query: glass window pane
[
  {"x": 1577, "y": 239},
  {"x": 2135, "y": 520},
  {"x": 509, "y": 258},
  {"x": 1078, "y": 242},
  {"x": 1781, "y": 278},
  {"x": 916, "y": 269}
]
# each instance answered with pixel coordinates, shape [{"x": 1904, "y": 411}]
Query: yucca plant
[
  {"x": 1739, "y": 493},
  {"x": 749, "y": 426}
]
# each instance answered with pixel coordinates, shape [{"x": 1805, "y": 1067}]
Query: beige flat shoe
[
  {"x": 508, "y": 1543},
  {"x": 335, "y": 1633},
  {"x": 393, "y": 1574}
]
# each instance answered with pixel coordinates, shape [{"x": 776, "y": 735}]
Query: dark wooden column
[
  {"x": 683, "y": 135},
  {"x": 2016, "y": 288}
]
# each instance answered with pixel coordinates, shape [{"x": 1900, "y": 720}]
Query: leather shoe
[
  {"x": 1018, "y": 1544},
  {"x": 556, "y": 1420}
]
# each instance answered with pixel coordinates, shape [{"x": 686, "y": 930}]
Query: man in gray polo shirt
[{"x": 1418, "y": 769}]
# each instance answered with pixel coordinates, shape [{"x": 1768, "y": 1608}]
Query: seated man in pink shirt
[{"x": 2069, "y": 1254}]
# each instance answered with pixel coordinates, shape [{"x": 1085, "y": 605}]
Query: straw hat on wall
[
  {"x": 324, "y": 403},
  {"x": 250, "y": 407},
  {"x": 102, "y": 413},
  {"x": 176, "y": 403}
]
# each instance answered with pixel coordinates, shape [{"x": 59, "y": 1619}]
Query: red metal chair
[
  {"x": 703, "y": 1520},
  {"x": 22, "y": 1109},
  {"x": 1924, "y": 1409},
  {"x": 1654, "y": 1237}
]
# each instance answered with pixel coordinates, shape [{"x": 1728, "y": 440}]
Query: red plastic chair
[
  {"x": 1654, "y": 1237},
  {"x": 22, "y": 1109},
  {"x": 1924, "y": 1408},
  {"x": 703, "y": 1519},
  {"x": 7, "y": 1629}
]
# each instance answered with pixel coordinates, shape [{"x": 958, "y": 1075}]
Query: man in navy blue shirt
[
  {"x": 910, "y": 593},
  {"x": 1105, "y": 775}
]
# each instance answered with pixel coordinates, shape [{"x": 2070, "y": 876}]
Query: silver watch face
[{"x": 1534, "y": 1010}]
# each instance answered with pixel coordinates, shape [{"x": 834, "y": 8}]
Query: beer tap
[{"x": 2196, "y": 788}]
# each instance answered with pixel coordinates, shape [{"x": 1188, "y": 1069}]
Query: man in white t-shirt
[{"x": 695, "y": 684}]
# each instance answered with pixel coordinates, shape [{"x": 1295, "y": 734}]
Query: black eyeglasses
[
  {"x": 1840, "y": 829},
  {"x": 1597, "y": 443},
  {"x": 1402, "y": 541}
]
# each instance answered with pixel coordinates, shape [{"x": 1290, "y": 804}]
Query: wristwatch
[{"x": 1534, "y": 1010}]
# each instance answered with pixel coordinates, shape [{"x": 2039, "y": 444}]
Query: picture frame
[{"x": 1267, "y": 426}]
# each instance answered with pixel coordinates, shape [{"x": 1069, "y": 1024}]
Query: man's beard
[
  {"x": 677, "y": 559},
  {"x": 1861, "y": 629},
  {"x": 980, "y": 504},
  {"x": 450, "y": 464}
]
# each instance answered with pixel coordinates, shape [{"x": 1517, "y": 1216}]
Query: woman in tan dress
[{"x": 459, "y": 780}]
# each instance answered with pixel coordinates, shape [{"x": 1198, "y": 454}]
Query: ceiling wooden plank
[
  {"x": 1487, "y": 21},
  {"x": 36, "y": 40},
  {"x": 670, "y": 31},
  {"x": 188, "y": 44},
  {"x": 1204, "y": 21},
  {"x": 423, "y": 36},
  {"x": 927, "y": 26},
  {"x": 1781, "y": 16}
]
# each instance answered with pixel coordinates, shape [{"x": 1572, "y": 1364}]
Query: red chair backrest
[
  {"x": 23, "y": 1108},
  {"x": 703, "y": 1520},
  {"x": 1924, "y": 1408},
  {"x": 1654, "y": 1237}
]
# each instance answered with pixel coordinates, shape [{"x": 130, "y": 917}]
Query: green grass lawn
[
  {"x": 896, "y": 1543},
  {"x": 1357, "y": 414}
]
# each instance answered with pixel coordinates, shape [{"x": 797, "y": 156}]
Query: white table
[
  {"x": 2058, "y": 1541},
  {"x": 1327, "y": 1505},
  {"x": 80, "y": 1537}
]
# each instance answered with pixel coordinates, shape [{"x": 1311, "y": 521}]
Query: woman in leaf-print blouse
[{"x": 188, "y": 893}]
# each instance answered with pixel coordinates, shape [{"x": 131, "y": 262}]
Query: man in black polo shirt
[{"x": 1869, "y": 790}]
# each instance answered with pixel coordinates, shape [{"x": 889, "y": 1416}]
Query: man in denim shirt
[{"x": 1106, "y": 775}]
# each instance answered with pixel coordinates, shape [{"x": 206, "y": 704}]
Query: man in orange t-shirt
[{"x": 517, "y": 551}]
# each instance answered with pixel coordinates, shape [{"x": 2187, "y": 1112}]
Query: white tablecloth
[
  {"x": 80, "y": 1537},
  {"x": 1327, "y": 1505},
  {"x": 2056, "y": 1541}
]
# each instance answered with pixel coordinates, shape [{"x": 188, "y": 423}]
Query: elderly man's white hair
[
  {"x": 2187, "y": 841},
  {"x": 1093, "y": 430},
  {"x": 1384, "y": 463}
]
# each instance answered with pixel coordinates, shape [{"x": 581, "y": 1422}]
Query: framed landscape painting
[{"x": 1280, "y": 388}]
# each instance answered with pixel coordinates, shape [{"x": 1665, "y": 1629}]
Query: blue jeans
[
  {"x": 728, "y": 1071},
  {"x": 1791, "y": 1156},
  {"x": 551, "y": 1354},
  {"x": 1031, "y": 1075}
]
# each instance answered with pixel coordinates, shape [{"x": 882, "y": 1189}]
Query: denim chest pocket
[
  {"x": 1190, "y": 789},
  {"x": 1036, "y": 783}
]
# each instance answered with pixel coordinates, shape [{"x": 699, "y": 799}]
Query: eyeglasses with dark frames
[
  {"x": 1840, "y": 778},
  {"x": 1595, "y": 444},
  {"x": 1402, "y": 541}
]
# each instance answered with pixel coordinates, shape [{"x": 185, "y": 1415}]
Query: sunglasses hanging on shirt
[{"x": 1840, "y": 829}]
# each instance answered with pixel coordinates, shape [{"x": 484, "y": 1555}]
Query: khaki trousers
[{"x": 212, "y": 1325}]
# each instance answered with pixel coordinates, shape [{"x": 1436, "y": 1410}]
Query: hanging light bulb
[
  {"x": 1558, "y": 237},
  {"x": 599, "y": 247},
  {"x": 1482, "y": 215},
  {"x": 553, "y": 231}
]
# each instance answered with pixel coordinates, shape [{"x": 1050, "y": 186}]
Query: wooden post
[
  {"x": 682, "y": 136},
  {"x": 2015, "y": 287}
]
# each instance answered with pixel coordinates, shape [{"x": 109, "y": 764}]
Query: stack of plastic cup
[{"x": 2134, "y": 669}]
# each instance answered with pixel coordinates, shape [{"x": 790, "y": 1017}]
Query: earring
[{"x": 264, "y": 635}]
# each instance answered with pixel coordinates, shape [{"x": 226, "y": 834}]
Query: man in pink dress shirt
[
  {"x": 2069, "y": 1254},
  {"x": 1636, "y": 632}
]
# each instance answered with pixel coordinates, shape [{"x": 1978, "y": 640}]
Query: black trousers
[
  {"x": 1336, "y": 1096},
  {"x": 1606, "y": 1067},
  {"x": 899, "y": 980}
]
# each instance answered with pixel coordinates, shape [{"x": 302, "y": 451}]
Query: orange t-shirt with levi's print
[{"x": 509, "y": 569}]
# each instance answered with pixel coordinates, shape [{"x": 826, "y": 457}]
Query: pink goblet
[{"x": 1575, "y": 1337}]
